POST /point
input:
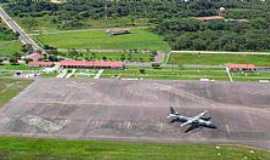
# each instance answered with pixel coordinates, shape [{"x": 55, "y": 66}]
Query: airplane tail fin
[{"x": 172, "y": 110}]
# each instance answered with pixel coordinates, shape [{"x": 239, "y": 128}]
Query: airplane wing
[
  {"x": 200, "y": 115},
  {"x": 186, "y": 123},
  {"x": 194, "y": 119}
]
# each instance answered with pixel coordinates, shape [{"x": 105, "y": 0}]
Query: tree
[
  {"x": 142, "y": 70},
  {"x": 156, "y": 65},
  {"x": 122, "y": 57}
]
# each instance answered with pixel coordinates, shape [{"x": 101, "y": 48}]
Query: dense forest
[{"x": 245, "y": 28}]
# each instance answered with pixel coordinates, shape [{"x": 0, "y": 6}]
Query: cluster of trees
[
  {"x": 72, "y": 13},
  {"x": 6, "y": 34},
  {"x": 191, "y": 34},
  {"x": 171, "y": 18}
]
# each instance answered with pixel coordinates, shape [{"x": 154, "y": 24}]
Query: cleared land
[
  {"x": 99, "y": 39},
  {"x": 25, "y": 149},
  {"x": 216, "y": 59},
  {"x": 10, "y": 88},
  {"x": 137, "y": 110}
]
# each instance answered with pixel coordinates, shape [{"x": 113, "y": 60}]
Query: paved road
[{"x": 24, "y": 37}]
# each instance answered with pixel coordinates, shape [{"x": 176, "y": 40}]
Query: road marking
[
  {"x": 99, "y": 74},
  {"x": 229, "y": 74},
  {"x": 228, "y": 128}
]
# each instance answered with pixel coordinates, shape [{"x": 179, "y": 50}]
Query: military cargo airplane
[{"x": 195, "y": 122}]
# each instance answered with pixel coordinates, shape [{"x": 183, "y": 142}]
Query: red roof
[
  {"x": 40, "y": 64},
  {"x": 92, "y": 64},
  {"x": 241, "y": 66},
  {"x": 35, "y": 56}
]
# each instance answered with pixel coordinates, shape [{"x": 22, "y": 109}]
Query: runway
[{"x": 137, "y": 110}]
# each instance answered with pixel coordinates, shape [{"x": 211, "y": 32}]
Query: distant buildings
[
  {"x": 41, "y": 64},
  {"x": 35, "y": 56},
  {"x": 117, "y": 31},
  {"x": 210, "y": 18},
  {"x": 92, "y": 64},
  {"x": 241, "y": 67}
]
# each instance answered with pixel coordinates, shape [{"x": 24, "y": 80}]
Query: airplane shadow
[{"x": 195, "y": 127}]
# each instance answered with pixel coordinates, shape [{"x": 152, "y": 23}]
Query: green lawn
[
  {"x": 9, "y": 88},
  {"x": 115, "y": 56},
  {"x": 8, "y": 48},
  {"x": 26, "y": 149},
  {"x": 99, "y": 39},
  {"x": 177, "y": 73},
  {"x": 17, "y": 67},
  {"x": 252, "y": 76},
  {"x": 216, "y": 59},
  {"x": 168, "y": 73}
]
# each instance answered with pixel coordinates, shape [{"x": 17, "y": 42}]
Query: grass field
[
  {"x": 45, "y": 24},
  {"x": 17, "y": 67},
  {"x": 25, "y": 149},
  {"x": 216, "y": 59},
  {"x": 10, "y": 88},
  {"x": 168, "y": 73},
  {"x": 252, "y": 76},
  {"x": 99, "y": 39},
  {"x": 8, "y": 48},
  {"x": 115, "y": 56},
  {"x": 178, "y": 73}
]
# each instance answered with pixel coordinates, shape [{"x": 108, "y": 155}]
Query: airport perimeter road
[{"x": 24, "y": 37}]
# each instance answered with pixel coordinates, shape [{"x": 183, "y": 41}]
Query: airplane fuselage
[{"x": 198, "y": 122}]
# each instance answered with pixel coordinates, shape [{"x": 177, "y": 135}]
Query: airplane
[{"x": 195, "y": 122}]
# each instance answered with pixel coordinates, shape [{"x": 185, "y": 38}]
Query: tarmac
[{"x": 137, "y": 111}]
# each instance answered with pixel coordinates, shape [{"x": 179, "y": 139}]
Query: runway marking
[
  {"x": 161, "y": 125},
  {"x": 228, "y": 128},
  {"x": 128, "y": 125}
]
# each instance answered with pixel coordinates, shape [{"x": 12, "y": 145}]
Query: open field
[
  {"x": 26, "y": 148},
  {"x": 99, "y": 39},
  {"x": 8, "y": 48},
  {"x": 137, "y": 110},
  {"x": 16, "y": 67},
  {"x": 10, "y": 88},
  {"x": 178, "y": 73},
  {"x": 113, "y": 56},
  {"x": 216, "y": 59},
  {"x": 173, "y": 73},
  {"x": 45, "y": 23}
]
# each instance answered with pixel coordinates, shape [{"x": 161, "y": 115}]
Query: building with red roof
[
  {"x": 40, "y": 64},
  {"x": 92, "y": 64},
  {"x": 210, "y": 18},
  {"x": 241, "y": 67},
  {"x": 35, "y": 56}
]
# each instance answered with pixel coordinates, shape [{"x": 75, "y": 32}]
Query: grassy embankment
[
  {"x": 25, "y": 149},
  {"x": 174, "y": 73},
  {"x": 217, "y": 59}
]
